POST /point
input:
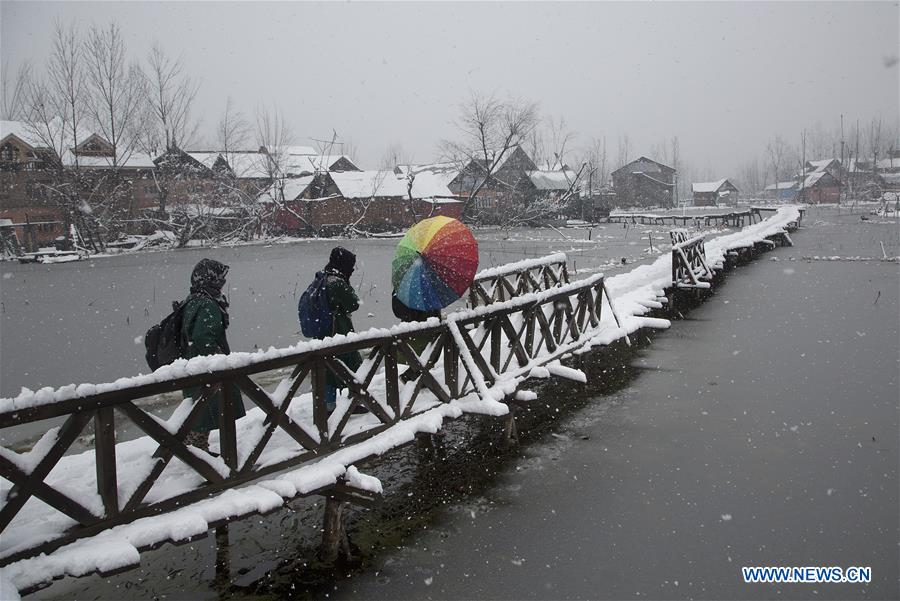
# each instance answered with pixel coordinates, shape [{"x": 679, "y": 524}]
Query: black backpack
[{"x": 163, "y": 341}]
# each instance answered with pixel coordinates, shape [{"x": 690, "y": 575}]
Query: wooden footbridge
[
  {"x": 74, "y": 513},
  {"x": 740, "y": 218}
]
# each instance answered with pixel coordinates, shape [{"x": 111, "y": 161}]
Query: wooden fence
[
  {"x": 514, "y": 279},
  {"x": 689, "y": 266},
  {"x": 467, "y": 352}
]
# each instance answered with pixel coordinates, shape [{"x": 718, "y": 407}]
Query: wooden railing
[
  {"x": 689, "y": 266},
  {"x": 736, "y": 218},
  {"x": 502, "y": 283},
  {"x": 468, "y": 352}
]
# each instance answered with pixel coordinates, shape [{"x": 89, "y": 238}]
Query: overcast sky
[{"x": 723, "y": 77}]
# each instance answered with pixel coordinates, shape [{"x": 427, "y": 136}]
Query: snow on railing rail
[
  {"x": 508, "y": 268},
  {"x": 499, "y": 284}
]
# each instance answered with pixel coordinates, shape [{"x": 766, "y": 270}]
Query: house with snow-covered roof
[
  {"x": 38, "y": 160},
  {"x": 374, "y": 201},
  {"x": 644, "y": 183},
  {"x": 819, "y": 187},
  {"x": 832, "y": 166},
  {"x": 782, "y": 191},
  {"x": 508, "y": 178},
  {"x": 709, "y": 194}
]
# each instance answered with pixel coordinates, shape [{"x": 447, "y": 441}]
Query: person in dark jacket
[
  {"x": 204, "y": 321},
  {"x": 419, "y": 342},
  {"x": 343, "y": 302}
]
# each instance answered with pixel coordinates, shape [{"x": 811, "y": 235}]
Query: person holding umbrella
[{"x": 434, "y": 265}]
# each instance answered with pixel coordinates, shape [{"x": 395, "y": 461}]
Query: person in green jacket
[
  {"x": 204, "y": 321},
  {"x": 343, "y": 302}
]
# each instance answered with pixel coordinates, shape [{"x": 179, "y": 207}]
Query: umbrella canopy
[{"x": 435, "y": 263}]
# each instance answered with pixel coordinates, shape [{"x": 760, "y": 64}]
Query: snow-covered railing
[
  {"x": 689, "y": 266},
  {"x": 733, "y": 218},
  {"x": 473, "y": 361},
  {"x": 501, "y": 283}
]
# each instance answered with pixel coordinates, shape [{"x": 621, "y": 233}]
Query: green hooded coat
[{"x": 203, "y": 328}]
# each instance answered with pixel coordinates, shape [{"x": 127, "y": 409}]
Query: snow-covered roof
[
  {"x": 208, "y": 159},
  {"x": 248, "y": 165},
  {"x": 62, "y": 137},
  {"x": 299, "y": 150},
  {"x": 429, "y": 184},
  {"x": 20, "y": 130},
  {"x": 136, "y": 160},
  {"x": 293, "y": 188},
  {"x": 297, "y": 164},
  {"x": 364, "y": 184},
  {"x": 813, "y": 178},
  {"x": 822, "y": 164},
  {"x": 708, "y": 186},
  {"x": 782, "y": 186},
  {"x": 552, "y": 180}
]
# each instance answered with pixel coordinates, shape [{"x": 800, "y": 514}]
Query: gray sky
[{"x": 724, "y": 77}]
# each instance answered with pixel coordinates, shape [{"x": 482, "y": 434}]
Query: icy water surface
[{"x": 760, "y": 430}]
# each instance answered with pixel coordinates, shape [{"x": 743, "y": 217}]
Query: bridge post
[
  {"x": 451, "y": 366},
  {"x": 334, "y": 537},
  {"x": 510, "y": 430},
  {"x": 227, "y": 429},
  {"x": 223, "y": 558},
  {"x": 105, "y": 448}
]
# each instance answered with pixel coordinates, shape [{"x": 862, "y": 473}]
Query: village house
[
  {"x": 819, "y": 187},
  {"x": 32, "y": 173},
  {"x": 509, "y": 179},
  {"x": 710, "y": 194},
  {"x": 370, "y": 201},
  {"x": 782, "y": 191},
  {"x": 832, "y": 166},
  {"x": 644, "y": 183},
  {"x": 515, "y": 185}
]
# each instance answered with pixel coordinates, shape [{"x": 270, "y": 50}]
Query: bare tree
[
  {"x": 55, "y": 112},
  {"x": 170, "y": 94},
  {"x": 376, "y": 188},
  {"x": 779, "y": 156},
  {"x": 874, "y": 141},
  {"x": 749, "y": 177},
  {"x": 13, "y": 91},
  {"x": 624, "y": 151},
  {"x": 274, "y": 135},
  {"x": 232, "y": 131},
  {"x": 117, "y": 91},
  {"x": 490, "y": 129}
]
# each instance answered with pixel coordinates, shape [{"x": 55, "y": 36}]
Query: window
[{"x": 9, "y": 153}]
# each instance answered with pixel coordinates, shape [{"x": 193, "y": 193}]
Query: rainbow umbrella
[{"x": 435, "y": 263}]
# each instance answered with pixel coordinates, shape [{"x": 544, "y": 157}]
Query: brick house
[
  {"x": 31, "y": 173},
  {"x": 373, "y": 201}
]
